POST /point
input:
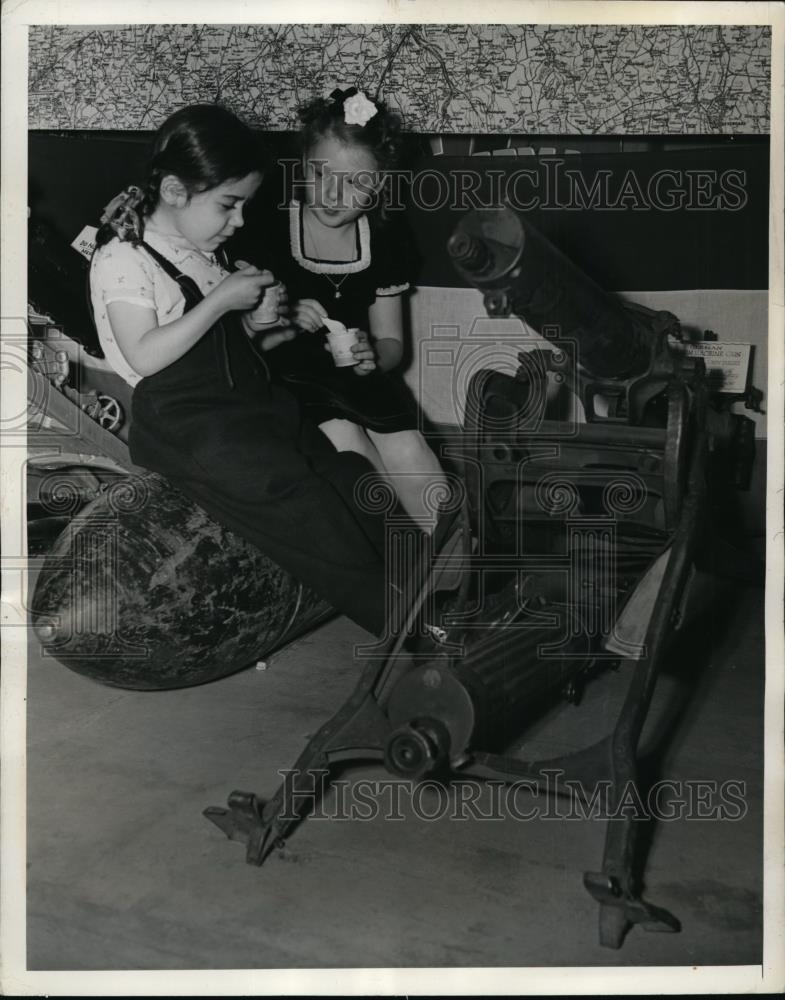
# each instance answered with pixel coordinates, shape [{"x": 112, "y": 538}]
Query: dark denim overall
[{"x": 217, "y": 428}]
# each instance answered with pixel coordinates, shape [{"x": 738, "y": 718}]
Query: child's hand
[
  {"x": 242, "y": 289},
  {"x": 284, "y": 309},
  {"x": 363, "y": 350},
  {"x": 276, "y": 336},
  {"x": 308, "y": 314},
  {"x": 269, "y": 314}
]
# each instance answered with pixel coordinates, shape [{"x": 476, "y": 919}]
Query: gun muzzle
[{"x": 520, "y": 272}]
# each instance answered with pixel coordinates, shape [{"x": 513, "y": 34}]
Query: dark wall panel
[{"x": 628, "y": 237}]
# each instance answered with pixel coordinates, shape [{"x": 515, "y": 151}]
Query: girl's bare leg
[
  {"x": 347, "y": 436},
  {"x": 414, "y": 471}
]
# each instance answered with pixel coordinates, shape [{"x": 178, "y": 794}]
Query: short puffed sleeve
[
  {"x": 122, "y": 273},
  {"x": 393, "y": 258}
]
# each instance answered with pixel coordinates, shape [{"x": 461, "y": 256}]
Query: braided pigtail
[{"x": 151, "y": 191}]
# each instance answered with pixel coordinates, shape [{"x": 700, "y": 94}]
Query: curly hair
[{"x": 381, "y": 135}]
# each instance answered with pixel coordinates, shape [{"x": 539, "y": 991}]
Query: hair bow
[
  {"x": 338, "y": 96},
  {"x": 122, "y": 213}
]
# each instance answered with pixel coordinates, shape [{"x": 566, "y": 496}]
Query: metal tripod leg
[
  {"x": 614, "y": 888},
  {"x": 359, "y": 729}
]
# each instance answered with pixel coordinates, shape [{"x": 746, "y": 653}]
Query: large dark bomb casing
[{"x": 143, "y": 590}]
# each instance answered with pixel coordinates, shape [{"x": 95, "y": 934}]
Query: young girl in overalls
[
  {"x": 340, "y": 258},
  {"x": 184, "y": 332}
]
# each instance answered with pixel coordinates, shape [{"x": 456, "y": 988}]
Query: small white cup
[
  {"x": 340, "y": 341},
  {"x": 267, "y": 310}
]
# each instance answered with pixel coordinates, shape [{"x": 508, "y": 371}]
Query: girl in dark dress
[{"x": 339, "y": 258}]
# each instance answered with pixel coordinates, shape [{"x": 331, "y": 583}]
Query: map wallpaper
[{"x": 443, "y": 78}]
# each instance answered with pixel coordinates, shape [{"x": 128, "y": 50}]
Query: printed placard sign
[
  {"x": 727, "y": 364},
  {"x": 85, "y": 242}
]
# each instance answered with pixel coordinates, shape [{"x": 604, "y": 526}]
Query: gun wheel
[{"x": 110, "y": 413}]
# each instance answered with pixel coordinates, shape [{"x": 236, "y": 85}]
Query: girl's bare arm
[
  {"x": 386, "y": 322},
  {"x": 148, "y": 348}
]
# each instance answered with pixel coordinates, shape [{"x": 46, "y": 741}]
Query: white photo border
[{"x": 16, "y": 980}]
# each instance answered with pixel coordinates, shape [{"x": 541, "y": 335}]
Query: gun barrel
[{"x": 521, "y": 272}]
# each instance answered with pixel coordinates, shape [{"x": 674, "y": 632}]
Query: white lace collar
[{"x": 327, "y": 266}]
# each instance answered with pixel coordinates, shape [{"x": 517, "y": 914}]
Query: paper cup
[
  {"x": 340, "y": 341},
  {"x": 267, "y": 310}
]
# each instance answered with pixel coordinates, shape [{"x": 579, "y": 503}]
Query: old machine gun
[{"x": 566, "y": 546}]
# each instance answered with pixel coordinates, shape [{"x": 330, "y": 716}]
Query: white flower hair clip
[{"x": 357, "y": 109}]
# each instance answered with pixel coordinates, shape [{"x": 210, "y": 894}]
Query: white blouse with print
[{"x": 121, "y": 272}]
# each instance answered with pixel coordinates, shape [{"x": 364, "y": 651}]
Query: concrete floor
[{"x": 124, "y": 873}]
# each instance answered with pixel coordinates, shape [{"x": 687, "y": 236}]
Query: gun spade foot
[
  {"x": 242, "y": 820},
  {"x": 619, "y": 912}
]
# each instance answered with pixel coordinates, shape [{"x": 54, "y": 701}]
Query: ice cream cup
[
  {"x": 267, "y": 310},
  {"x": 340, "y": 341}
]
